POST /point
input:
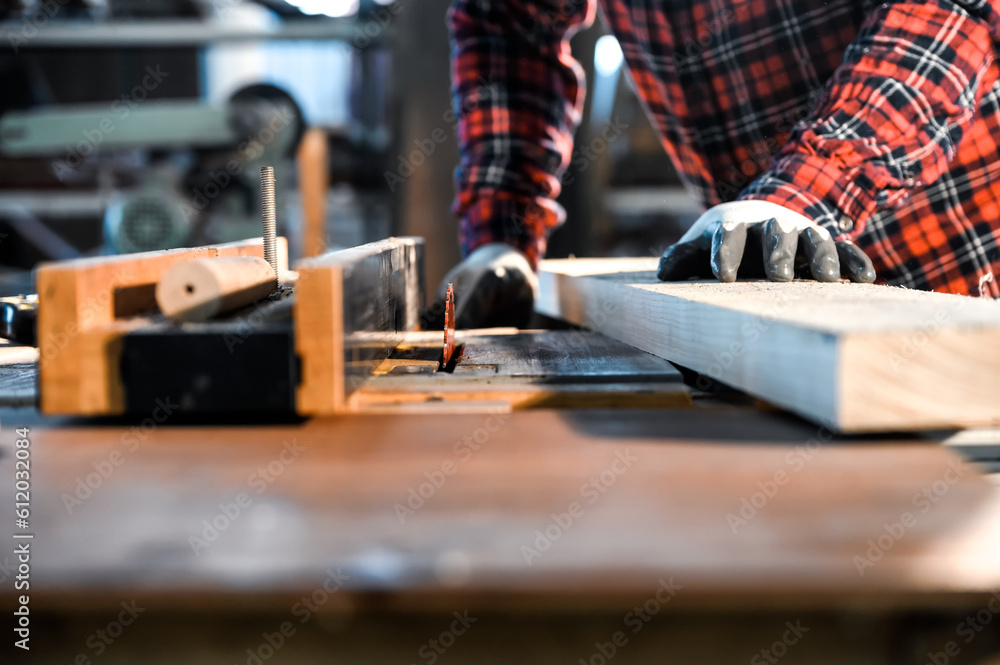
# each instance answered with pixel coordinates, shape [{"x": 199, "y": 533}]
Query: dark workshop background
[{"x": 374, "y": 79}]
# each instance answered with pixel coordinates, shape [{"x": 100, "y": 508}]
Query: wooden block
[
  {"x": 100, "y": 352},
  {"x": 854, "y": 357},
  {"x": 79, "y": 304},
  {"x": 351, "y": 308}
]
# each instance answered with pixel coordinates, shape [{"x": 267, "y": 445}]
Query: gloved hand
[
  {"x": 762, "y": 238},
  {"x": 494, "y": 286}
]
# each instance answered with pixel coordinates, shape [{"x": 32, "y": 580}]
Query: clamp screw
[{"x": 269, "y": 217}]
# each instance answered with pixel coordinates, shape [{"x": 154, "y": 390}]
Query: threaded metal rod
[{"x": 269, "y": 217}]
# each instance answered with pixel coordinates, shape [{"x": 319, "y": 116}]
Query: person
[{"x": 824, "y": 138}]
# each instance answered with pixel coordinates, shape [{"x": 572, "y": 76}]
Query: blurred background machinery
[{"x": 130, "y": 125}]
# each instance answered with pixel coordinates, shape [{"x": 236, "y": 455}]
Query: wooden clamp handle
[{"x": 201, "y": 289}]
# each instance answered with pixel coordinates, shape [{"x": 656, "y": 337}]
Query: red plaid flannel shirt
[{"x": 879, "y": 121}]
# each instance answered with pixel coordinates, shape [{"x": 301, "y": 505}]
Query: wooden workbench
[{"x": 547, "y": 526}]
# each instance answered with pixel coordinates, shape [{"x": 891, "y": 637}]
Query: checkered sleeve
[
  {"x": 890, "y": 118},
  {"x": 518, "y": 96}
]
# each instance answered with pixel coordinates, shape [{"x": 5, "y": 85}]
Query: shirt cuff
[
  {"x": 814, "y": 186},
  {"x": 519, "y": 222}
]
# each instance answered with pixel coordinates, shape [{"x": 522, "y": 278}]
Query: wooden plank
[
  {"x": 854, "y": 357},
  {"x": 351, "y": 308},
  {"x": 79, "y": 304}
]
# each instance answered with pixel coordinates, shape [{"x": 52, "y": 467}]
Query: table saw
[
  {"x": 306, "y": 478},
  {"x": 344, "y": 340}
]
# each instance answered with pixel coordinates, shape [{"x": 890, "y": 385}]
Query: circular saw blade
[{"x": 449, "y": 324}]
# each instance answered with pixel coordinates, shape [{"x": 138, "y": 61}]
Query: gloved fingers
[
  {"x": 432, "y": 316},
  {"x": 821, "y": 252},
  {"x": 457, "y": 277},
  {"x": 512, "y": 306},
  {"x": 475, "y": 301},
  {"x": 499, "y": 297},
  {"x": 780, "y": 243},
  {"x": 494, "y": 286},
  {"x": 854, "y": 263},
  {"x": 684, "y": 260},
  {"x": 728, "y": 243}
]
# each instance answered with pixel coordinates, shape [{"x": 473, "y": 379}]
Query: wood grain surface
[
  {"x": 856, "y": 357},
  {"x": 535, "y": 509}
]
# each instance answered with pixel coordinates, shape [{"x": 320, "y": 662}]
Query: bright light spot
[
  {"x": 607, "y": 55},
  {"x": 333, "y": 8},
  {"x": 264, "y": 517},
  {"x": 453, "y": 568}
]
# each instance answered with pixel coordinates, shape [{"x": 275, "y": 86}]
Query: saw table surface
[
  {"x": 548, "y": 527},
  {"x": 566, "y": 506}
]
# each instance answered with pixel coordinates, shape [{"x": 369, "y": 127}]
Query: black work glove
[
  {"x": 760, "y": 238},
  {"x": 494, "y": 287}
]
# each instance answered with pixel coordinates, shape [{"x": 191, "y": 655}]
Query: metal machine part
[
  {"x": 18, "y": 319},
  {"x": 260, "y": 112},
  {"x": 219, "y": 151},
  {"x": 146, "y": 221},
  {"x": 88, "y": 127},
  {"x": 269, "y": 217},
  {"x": 267, "y": 122}
]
